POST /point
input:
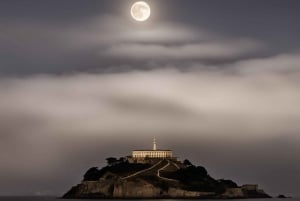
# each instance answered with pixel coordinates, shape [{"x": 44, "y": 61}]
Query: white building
[{"x": 154, "y": 153}]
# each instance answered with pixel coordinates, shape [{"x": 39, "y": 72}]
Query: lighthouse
[{"x": 154, "y": 144}]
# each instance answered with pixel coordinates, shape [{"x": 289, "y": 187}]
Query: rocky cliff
[{"x": 165, "y": 178}]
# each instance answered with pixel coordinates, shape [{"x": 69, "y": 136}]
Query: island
[{"x": 156, "y": 174}]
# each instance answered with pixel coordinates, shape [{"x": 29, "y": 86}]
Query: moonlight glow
[{"x": 140, "y": 11}]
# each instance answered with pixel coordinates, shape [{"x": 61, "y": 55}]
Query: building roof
[{"x": 153, "y": 150}]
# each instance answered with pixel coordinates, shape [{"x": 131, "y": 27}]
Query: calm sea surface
[{"x": 57, "y": 199}]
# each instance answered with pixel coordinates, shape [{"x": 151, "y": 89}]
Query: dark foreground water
[{"x": 57, "y": 199}]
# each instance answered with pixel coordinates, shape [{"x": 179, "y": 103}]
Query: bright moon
[{"x": 140, "y": 11}]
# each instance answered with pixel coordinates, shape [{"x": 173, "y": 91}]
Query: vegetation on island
[
  {"x": 164, "y": 174},
  {"x": 121, "y": 167}
]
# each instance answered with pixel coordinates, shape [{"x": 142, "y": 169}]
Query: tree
[
  {"x": 122, "y": 160},
  {"x": 228, "y": 183},
  {"x": 111, "y": 161},
  {"x": 186, "y": 162},
  {"x": 91, "y": 174},
  {"x": 201, "y": 171}
]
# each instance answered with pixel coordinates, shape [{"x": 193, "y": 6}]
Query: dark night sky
[{"x": 216, "y": 81}]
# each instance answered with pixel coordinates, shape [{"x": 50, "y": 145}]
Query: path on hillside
[
  {"x": 164, "y": 167},
  {"x": 176, "y": 165},
  {"x": 143, "y": 171}
]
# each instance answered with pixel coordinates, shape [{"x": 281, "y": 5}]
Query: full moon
[{"x": 140, "y": 11}]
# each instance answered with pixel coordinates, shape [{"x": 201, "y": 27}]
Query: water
[{"x": 57, "y": 199}]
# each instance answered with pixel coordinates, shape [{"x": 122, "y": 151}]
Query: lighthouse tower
[{"x": 154, "y": 144}]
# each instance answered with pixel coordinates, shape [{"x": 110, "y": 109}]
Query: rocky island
[{"x": 157, "y": 174}]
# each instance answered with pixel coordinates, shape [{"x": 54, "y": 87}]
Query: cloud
[
  {"x": 165, "y": 41},
  {"x": 140, "y": 100},
  {"x": 280, "y": 64},
  {"x": 205, "y": 50},
  {"x": 162, "y": 97},
  {"x": 103, "y": 42}
]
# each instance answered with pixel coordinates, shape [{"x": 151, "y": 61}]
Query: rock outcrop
[{"x": 158, "y": 179}]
